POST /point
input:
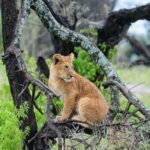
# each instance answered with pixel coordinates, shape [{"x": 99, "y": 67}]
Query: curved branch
[
  {"x": 61, "y": 46},
  {"x": 118, "y": 23},
  {"x": 67, "y": 35}
]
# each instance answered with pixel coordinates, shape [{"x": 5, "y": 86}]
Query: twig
[
  {"x": 37, "y": 96},
  {"x": 130, "y": 114},
  {"x": 81, "y": 142},
  {"x": 39, "y": 84},
  {"x": 33, "y": 100},
  {"x": 37, "y": 107},
  {"x": 126, "y": 111},
  {"x": 47, "y": 131},
  {"x": 136, "y": 85},
  {"x": 134, "y": 115},
  {"x": 24, "y": 88}
]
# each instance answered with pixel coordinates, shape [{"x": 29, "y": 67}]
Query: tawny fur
[{"x": 82, "y": 99}]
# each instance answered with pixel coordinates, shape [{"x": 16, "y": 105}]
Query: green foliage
[
  {"x": 89, "y": 31},
  {"x": 41, "y": 101},
  {"x": 21, "y": 113},
  {"x": 112, "y": 52},
  {"x": 31, "y": 65},
  {"x": 86, "y": 67},
  {"x": 102, "y": 47},
  {"x": 58, "y": 104},
  {"x": 10, "y": 135}
]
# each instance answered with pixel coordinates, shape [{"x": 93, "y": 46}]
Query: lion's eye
[{"x": 66, "y": 67}]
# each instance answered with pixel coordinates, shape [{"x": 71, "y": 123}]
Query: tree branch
[
  {"x": 130, "y": 97},
  {"x": 67, "y": 35},
  {"x": 61, "y": 46},
  {"x": 25, "y": 10},
  {"x": 135, "y": 43},
  {"x": 118, "y": 23}
]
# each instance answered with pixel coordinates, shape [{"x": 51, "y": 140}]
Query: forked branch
[{"x": 130, "y": 97}]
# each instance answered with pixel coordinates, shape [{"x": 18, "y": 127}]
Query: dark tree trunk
[{"x": 16, "y": 77}]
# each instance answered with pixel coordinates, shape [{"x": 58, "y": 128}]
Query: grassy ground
[
  {"x": 139, "y": 74},
  {"x": 138, "y": 80}
]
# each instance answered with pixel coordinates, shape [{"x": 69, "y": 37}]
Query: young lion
[{"x": 82, "y": 99}]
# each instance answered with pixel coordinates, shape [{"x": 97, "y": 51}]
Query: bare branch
[
  {"x": 130, "y": 97},
  {"x": 135, "y": 43},
  {"x": 25, "y": 86},
  {"x": 39, "y": 84},
  {"x": 118, "y": 22}
]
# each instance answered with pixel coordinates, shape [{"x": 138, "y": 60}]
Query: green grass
[{"x": 139, "y": 75}]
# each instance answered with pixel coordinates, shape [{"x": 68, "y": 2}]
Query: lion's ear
[
  {"x": 57, "y": 58},
  {"x": 71, "y": 56}
]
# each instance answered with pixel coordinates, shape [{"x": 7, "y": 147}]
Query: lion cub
[{"x": 82, "y": 99}]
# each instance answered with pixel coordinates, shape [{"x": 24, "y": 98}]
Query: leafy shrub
[
  {"x": 10, "y": 135},
  {"x": 41, "y": 101},
  {"x": 86, "y": 67}
]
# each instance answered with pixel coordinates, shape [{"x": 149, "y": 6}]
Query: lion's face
[{"x": 62, "y": 67}]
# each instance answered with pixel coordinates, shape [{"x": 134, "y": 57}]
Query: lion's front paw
[{"x": 60, "y": 118}]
